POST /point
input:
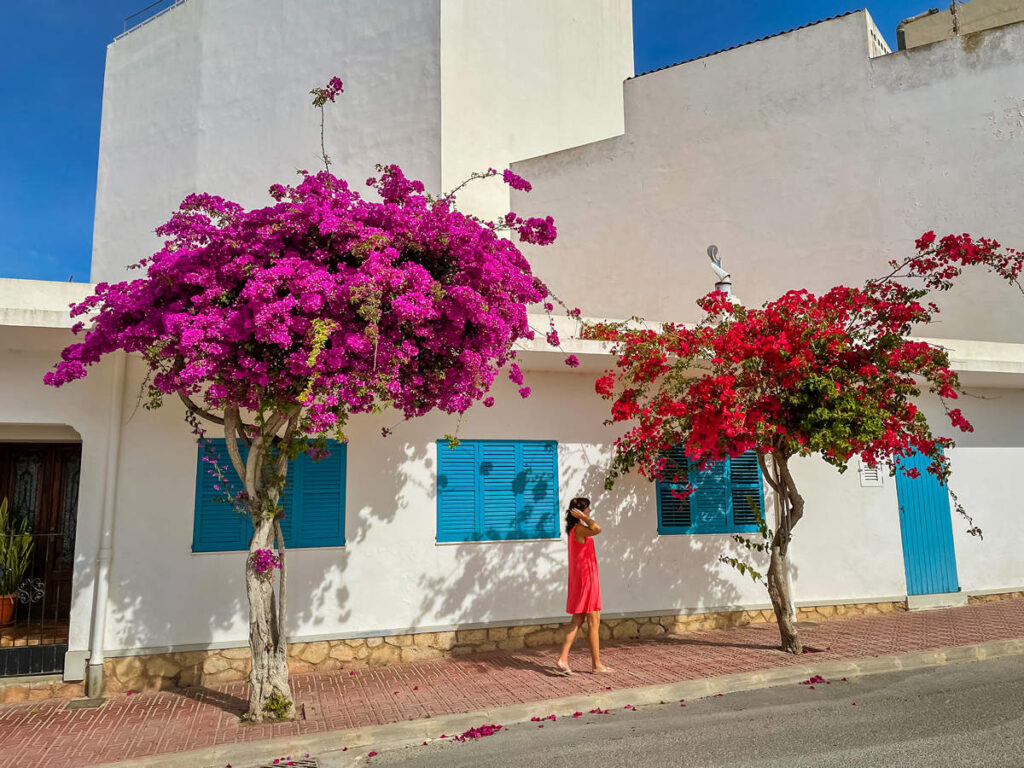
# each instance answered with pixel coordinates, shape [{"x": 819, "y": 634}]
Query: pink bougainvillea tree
[
  {"x": 278, "y": 323},
  {"x": 834, "y": 375}
]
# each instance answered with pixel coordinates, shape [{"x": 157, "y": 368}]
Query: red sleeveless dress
[{"x": 584, "y": 585}]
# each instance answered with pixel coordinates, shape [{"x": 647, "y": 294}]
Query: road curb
[{"x": 394, "y": 735}]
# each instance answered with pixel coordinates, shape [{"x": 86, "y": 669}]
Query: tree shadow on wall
[{"x": 642, "y": 573}]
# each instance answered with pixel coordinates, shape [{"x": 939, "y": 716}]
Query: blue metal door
[{"x": 927, "y": 530}]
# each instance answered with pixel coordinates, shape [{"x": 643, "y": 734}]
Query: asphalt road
[{"x": 961, "y": 715}]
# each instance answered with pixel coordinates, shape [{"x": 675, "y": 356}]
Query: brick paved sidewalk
[{"x": 44, "y": 733}]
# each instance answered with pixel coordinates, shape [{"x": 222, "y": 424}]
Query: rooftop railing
[{"x": 147, "y": 14}]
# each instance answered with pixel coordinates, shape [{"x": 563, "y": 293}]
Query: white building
[{"x": 810, "y": 158}]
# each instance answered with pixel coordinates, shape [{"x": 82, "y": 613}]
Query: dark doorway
[{"x": 40, "y": 483}]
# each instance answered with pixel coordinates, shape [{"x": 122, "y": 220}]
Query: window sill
[
  {"x": 493, "y": 541},
  {"x": 287, "y": 551},
  {"x": 737, "y": 531}
]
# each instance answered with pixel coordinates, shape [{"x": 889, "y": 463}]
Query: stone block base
[
  {"x": 996, "y": 596},
  {"x": 16, "y": 689},
  {"x": 193, "y": 668}
]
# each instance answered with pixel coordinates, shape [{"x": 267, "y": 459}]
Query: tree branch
[
  {"x": 191, "y": 405},
  {"x": 766, "y": 474},
  {"x": 232, "y": 426},
  {"x": 796, "y": 501}
]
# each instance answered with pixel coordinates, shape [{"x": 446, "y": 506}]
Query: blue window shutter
[
  {"x": 457, "y": 476},
  {"x": 711, "y": 502},
  {"x": 313, "y": 502},
  {"x": 719, "y": 502},
  {"x": 537, "y": 490},
  {"x": 745, "y": 476},
  {"x": 218, "y": 527},
  {"x": 319, "y": 499},
  {"x": 674, "y": 514},
  {"x": 492, "y": 490},
  {"x": 500, "y": 470}
]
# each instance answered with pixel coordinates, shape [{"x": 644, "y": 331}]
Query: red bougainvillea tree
[
  {"x": 278, "y": 323},
  {"x": 836, "y": 375}
]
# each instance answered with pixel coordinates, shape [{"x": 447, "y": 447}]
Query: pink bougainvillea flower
[
  {"x": 524, "y": 392},
  {"x": 371, "y": 754},
  {"x": 572, "y": 361},
  {"x": 516, "y": 181},
  {"x": 415, "y": 687},
  {"x": 577, "y": 714}
]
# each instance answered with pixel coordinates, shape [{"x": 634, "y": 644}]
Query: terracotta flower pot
[{"x": 6, "y": 610}]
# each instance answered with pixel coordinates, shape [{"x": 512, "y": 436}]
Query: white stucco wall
[
  {"x": 986, "y": 466},
  {"x": 213, "y": 97},
  {"x": 807, "y": 162},
  {"x": 392, "y": 576},
  {"x": 524, "y": 78},
  {"x": 30, "y": 411}
]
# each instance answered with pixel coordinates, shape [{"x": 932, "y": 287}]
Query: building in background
[
  {"x": 961, "y": 18},
  {"x": 810, "y": 158}
]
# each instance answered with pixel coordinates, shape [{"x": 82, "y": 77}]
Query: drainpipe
[{"x": 101, "y": 589}]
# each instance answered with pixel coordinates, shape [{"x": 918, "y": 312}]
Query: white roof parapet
[
  {"x": 970, "y": 356},
  {"x": 981, "y": 363},
  {"x": 40, "y": 303}
]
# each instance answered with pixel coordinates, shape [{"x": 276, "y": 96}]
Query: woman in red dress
[{"x": 584, "y": 585}]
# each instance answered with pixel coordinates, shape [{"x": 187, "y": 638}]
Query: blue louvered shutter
[
  {"x": 217, "y": 527},
  {"x": 313, "y": 502},
  {"x": 711, "y": 502},
  {"x": 457, "y": 478},
  {"x": 745, "y": 478},
  {"x": 493, "y": 490},
  {"x": 538, "y": 500},
  {"x": 673, "y": 506},
  {"x": 501, "y": 488},
  {"x": 317, "y": 500}
]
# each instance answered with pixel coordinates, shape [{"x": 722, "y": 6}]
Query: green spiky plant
[{"x": 16, "y": 547}]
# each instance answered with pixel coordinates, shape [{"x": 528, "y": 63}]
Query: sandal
[
  {"x": 604, "y": 670},
  {"x": 562, "y": 671}
]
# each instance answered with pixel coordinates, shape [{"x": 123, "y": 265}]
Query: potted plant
[{"x": 15, "y": 555}]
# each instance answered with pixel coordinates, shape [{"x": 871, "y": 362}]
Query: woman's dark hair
[{"x": 579, "y": 503}]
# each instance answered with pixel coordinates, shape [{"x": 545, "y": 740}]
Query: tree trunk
[
  {"x": 789, "y": 510},
  {"x": 778, "y": 591},
  {"x": 270, "y": 696}
]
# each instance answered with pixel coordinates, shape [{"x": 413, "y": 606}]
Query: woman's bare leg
[
  {"x": 570, "y": 637},
  {"x": 594, "y": 636}
]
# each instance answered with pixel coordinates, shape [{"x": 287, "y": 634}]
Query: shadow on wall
[{"x": 641, "y": 572}]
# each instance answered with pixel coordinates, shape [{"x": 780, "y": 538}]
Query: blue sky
[{"x": 49, "y": 134}]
